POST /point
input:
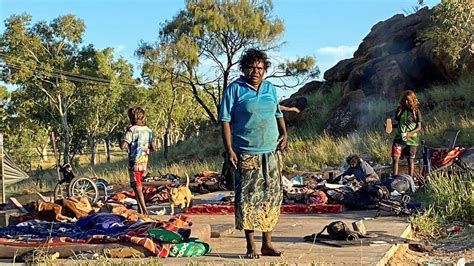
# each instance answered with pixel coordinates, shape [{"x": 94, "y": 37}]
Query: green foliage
[
  {"x": 215, "y": 33},
  {"x": 429, "y": 222},
  {"x": 78, "y": 92},
  {"x": 448, "y": 198},
  {"x": 452, "y": 31},
  {"x": 36, "y": 57}
]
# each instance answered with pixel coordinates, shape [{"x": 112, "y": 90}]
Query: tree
[
  {"x": 39, "y": 58},
  {"x": 452, "y": 30},
  {"x": 101, "y": 106},
  {"x": 163, "y": 75},
  {"x": 215, "y": 33},
  {"x": 25, "y": 137}
]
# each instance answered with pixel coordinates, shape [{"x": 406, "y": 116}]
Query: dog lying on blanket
[
  {"x": 180, "y": 196},
  {"x": 48, "y": 211}
]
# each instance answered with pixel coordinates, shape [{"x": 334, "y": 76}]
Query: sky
[{"x": 329, "y": 30}]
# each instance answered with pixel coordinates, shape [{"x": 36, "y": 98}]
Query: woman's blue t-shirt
[{"x": 252, "y": 116}]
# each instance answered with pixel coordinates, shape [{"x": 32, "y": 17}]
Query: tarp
[{"x": 12, "y": 173}]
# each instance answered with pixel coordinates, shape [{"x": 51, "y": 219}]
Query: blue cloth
[
  {"x": 252, "y": 116},
  {"x": 105, "y": 223},
  {"x": 361, "y": 171},
  {"x": 36, "y": 229}
]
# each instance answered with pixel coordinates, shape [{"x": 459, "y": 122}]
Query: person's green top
[
  {"x": 252, "y": 116},
  {"x": 407, "y": 121}
]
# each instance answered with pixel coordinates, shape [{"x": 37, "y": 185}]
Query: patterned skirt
[{"x": 258, "y": 192}]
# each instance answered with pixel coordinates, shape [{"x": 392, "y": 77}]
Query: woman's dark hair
[
  {"x": 352, "y": 159},
  {"x": 136, "y": 116},
  {"x": 253, "y": 55}
]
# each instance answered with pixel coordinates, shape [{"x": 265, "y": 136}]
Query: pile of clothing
[
  {"x": 209, "y": 181},
  {"x": 354, "y": 195},
  {"x": 113, "y": 223}
]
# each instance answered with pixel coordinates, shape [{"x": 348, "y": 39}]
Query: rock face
[
  {"x": 389, "y": 60},
  {"x": 345, "y": 114}
]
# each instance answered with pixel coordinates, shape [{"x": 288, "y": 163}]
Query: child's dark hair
[
  {"x": 136, "y": 115},
  {"x": 253, "y": 55},
  {"x": 352, "y": 159},
  {"x": 409, "y": 101}
]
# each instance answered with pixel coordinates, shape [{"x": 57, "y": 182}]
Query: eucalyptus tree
[
  {"x": 40, "y": 59},
  {"x": 163, "y": 74},
  {"x": 212, "y": 34},
  {"x": 25, "y": 138},
  {"x": 99, "y": 111}
]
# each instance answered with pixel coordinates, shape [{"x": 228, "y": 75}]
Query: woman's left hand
[{"x": 282, "y": 142}]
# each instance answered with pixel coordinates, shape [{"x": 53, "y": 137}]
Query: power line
[
  {"x": 58, "y": 73},
  {"x": 55, "y": 75}
]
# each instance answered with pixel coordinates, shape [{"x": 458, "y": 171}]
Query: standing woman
[
  {"x": 408, "y": 121},
  {"x": 253, "y": 130}
]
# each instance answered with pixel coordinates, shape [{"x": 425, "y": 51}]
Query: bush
[{"x": 448, "y": 198}]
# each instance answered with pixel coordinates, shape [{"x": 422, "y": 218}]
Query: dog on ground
[
  {"x": 49, "y": 211},
  {"x": 180, "y": 196}
]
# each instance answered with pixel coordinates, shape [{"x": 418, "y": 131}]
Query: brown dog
[
  {"x": 180, "y": 196},
  {"x": 50, "y": 211}
]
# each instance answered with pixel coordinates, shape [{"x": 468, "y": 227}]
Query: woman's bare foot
[
  {"x": 270, "y": 251},
  {"x": 252, "y": 253}
]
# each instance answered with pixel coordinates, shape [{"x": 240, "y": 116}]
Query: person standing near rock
[
  {"x": 253, "y": 130},
  {"x": 408, "y": 122}
]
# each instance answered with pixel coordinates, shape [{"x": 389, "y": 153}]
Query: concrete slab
[
  {"x": 229, "y": 248},
  {"x": 288, "y": 237}
]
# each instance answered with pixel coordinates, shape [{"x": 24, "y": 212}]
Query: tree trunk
[
  {"x": 208, "y": 111},
  {"x": 42, "y": 151},
  {"x": 165, "y": 146},
  {"x": 65, "y": 135},
  {"x": 107, "y": 149},
  {"x": 91, "y": 140}
]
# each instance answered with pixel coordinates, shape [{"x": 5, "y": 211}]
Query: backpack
[{"x": 338, "y": 230}]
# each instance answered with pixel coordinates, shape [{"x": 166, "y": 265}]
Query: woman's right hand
[{"x": 232, "y": 158}]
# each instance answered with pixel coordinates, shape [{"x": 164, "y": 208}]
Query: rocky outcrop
[
  {"x": 299, "y": 100},
  {"x": 345, "y": 116},
  {"x": 389, "y": 60}
]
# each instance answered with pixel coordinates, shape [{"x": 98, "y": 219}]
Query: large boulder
[
  {"x": 390, "y": 59},
  {"x": 348, "y": 114},
  {"x": 293, "y": 118}
]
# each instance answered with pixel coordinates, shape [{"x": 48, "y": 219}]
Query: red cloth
[
  {"x": 317, "y": 197},
  {"x": 440, "y": 157},
  {"x": 158, "y": 193},
  {"x": 290, "y": 208}
]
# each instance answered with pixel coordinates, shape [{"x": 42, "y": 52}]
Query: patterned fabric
[
  {"x": 95, "y": 230},
  {"x": 407, "y": 121},
  {"x": 194, "y": 247},
  {"x": 258, "y": 192},
  {"x": 440, "y": 157}
]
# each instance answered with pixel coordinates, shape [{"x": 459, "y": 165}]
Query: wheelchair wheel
[
  {"x": 61, "y": 190},
  {"x": 83, "y": 186}
]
